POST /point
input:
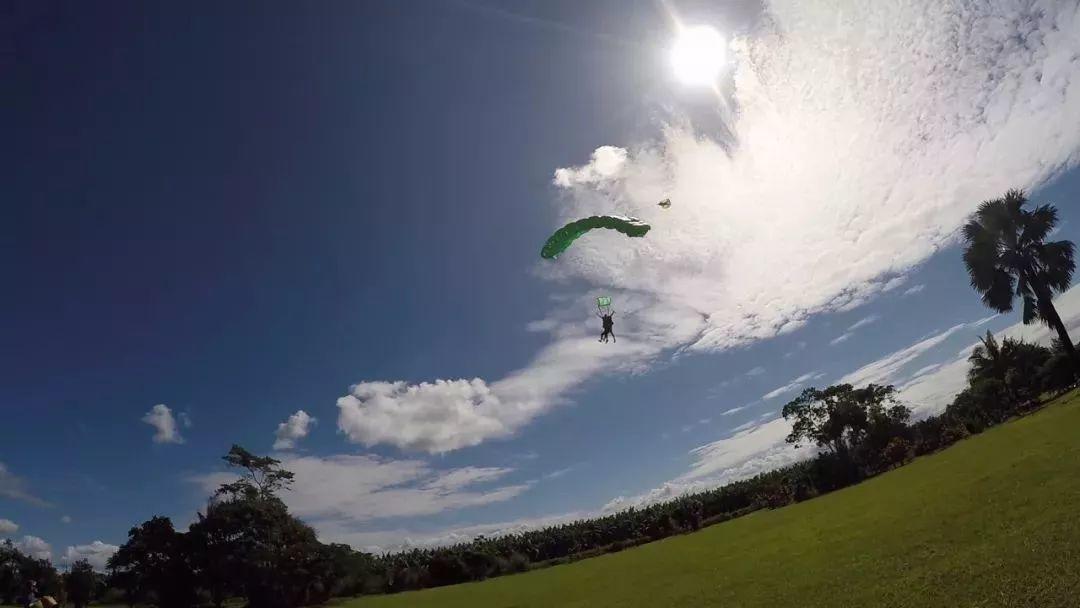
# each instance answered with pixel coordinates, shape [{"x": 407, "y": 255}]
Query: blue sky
[{"x": 241, "y": 212}]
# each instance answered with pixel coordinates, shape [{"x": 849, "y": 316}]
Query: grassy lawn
[{"x": 992, "y": 521}]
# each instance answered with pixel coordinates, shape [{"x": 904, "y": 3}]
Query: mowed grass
[{"x": 992, "y": 521}]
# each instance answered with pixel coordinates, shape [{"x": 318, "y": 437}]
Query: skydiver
[{"x": 609, "y": 326}]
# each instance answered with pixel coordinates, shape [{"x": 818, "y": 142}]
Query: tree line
[{"x": 247, "y": 545}]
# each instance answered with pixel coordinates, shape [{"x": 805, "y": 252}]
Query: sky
[{"x": 313, "y": 230}]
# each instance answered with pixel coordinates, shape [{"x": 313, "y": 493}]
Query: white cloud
[
  {"x": 161, "y": 418},
  {"x": 559, "y": 473},
  {"x": 757, "y": 371},
  {"x": 914, "y": 289},
  {"x": 606, "y": 164},
  {"x": 185, "y": 420},
  {"x": 15, "y": 488},
  {"x": 8, "y": 527},
  {"x": 65, "y": 519},
  {"x": 863, "y": 322},
  {"x": 890, "y": 126},
  {"x": 734, "y": 410},
  {"x": 349, "y": 490},
  {"x": 893, "y": 283},
  {"x": 295, "y": 428},
  {"x": 96, "y": 553},
  {"x": 754, "y": 448},
  {"x": 793, "y": 385},
  {"x": 34, "y": 547},
  {"x": 886, "y": 368},
  {"x": 844, "y": 337}
]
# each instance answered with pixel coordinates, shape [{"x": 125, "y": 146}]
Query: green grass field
[{"x": 991, "y": 521}]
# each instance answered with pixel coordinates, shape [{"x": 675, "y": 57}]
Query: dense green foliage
[
  {"x": 18, "y": 571},
  {"x": 245, "y": 545}
]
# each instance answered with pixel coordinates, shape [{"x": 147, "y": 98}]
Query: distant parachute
[
  {"x": 565, "y": 236},
  {"x": 665, "y": 203}
]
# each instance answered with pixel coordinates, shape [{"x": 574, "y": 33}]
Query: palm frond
[
  {"x": 1057, "y": 264},
  {"x": 1038, "y": 224}
]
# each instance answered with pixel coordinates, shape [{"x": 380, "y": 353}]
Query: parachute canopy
[
  {"x": 565, "y": 236},
  {"x": 603, "y": 304}
]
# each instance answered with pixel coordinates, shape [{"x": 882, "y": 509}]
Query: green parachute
[{"x": 565, "y": 236}]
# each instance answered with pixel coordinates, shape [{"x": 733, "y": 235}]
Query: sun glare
[{"x": 698, "y": 55}]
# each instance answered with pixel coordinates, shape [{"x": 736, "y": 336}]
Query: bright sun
[{"x": 698, "y": 55}]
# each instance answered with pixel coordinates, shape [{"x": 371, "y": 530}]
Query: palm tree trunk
[{"x": 1050, "y": 316}]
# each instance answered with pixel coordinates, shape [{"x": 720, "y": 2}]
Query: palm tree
[
  {"x": 1007, "y": 255},
  {"x": 991, "y": 360}
]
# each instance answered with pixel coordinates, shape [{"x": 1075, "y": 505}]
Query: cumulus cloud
[
  {"x": 34, "y": 547},
  {"x": 96, "y": 553},
  {"x": 295, "y": 428},
  {"x": 8, "y": 527},
  {"x": 914, "y": 289},
  {"x": 161, "y": 418},
  {"x": 606, "y": 164},
  {"x": 863, "y": 139},
  {"x": 345, "y": 491},
  {"x": 15, "y": 488}
]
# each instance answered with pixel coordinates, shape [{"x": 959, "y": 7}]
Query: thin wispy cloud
[
  {"x": 795, "y": 384},
  {"x": 16, "y": 488},
  {"x": 844, "y": 337},
  {"x": 914, "y": 290},
  {"x": 863, "y": 322},
  {"x": 558, "y": 473}
]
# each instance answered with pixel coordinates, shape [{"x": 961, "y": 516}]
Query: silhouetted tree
[
  {"x": 260, "y": 477},
  {"x": 1007, "y": 256},
  {"x": 81, "y": 583},
  {"x": 153, "y": 566}
]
